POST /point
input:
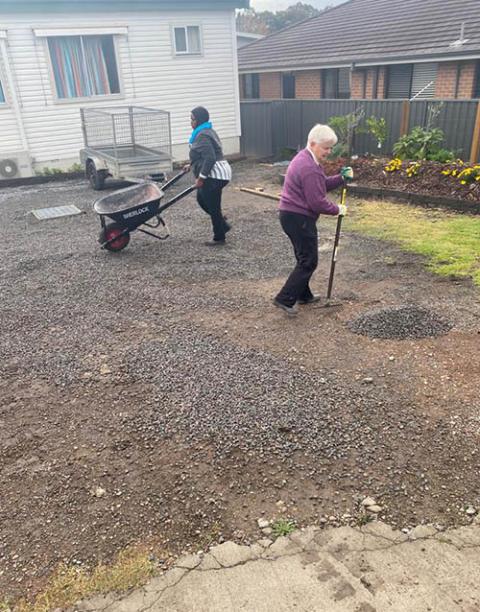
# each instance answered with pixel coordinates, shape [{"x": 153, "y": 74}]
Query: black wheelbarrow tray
[{"x": 124, "y": 211}]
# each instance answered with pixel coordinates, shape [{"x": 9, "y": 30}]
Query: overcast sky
[{"x": 278, "y": 5}]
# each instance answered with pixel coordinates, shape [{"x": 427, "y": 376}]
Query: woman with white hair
[{"x": 304, "y": 198}]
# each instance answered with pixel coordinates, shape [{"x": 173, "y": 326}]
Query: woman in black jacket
[{"x": 211, "y": 170}]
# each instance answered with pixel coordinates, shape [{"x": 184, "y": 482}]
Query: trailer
[{"x": 130, "y": 143}]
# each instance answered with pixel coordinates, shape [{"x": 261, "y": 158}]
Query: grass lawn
[{"x": 449, "y": 241}]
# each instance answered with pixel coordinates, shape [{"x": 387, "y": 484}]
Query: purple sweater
[{"x": 305, "y": 188}]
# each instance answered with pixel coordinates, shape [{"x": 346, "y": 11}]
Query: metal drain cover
[{"x": 55, "y": 212}]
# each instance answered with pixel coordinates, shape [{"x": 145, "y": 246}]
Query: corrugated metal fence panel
[
  {"x": 418, "y": 113},
  {"x": 456, "y": 119},
  {"x": 286, "y": 124},
  {"x": 256, "y": 140},
  {"x": 390, "y": 110},
  {"x": 270, "y": 126}
]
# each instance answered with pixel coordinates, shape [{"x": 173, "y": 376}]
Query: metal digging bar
[{"x": 335, "y": 248}]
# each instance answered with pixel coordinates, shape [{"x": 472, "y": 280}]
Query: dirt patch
[
  {"x": 427, "y": 178},
  {"x": 164, "y": 377}
]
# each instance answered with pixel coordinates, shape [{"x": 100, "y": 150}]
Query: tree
[{"x": 266, "y": 22}]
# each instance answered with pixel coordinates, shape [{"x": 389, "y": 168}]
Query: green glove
[{"x": 347, "y": 173}]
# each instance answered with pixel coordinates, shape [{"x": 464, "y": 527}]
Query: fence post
[
  {"x": 475, "y": 150},
  {"x": 405, "y": 118}
]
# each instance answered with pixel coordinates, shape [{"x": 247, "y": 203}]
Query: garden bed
[{"x": 455, "y": 185}]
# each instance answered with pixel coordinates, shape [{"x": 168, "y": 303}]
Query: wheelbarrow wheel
[
  {"x": 113, "y": 232},
  {"x": 96, "y": 178}
]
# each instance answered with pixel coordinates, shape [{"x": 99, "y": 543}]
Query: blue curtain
[{"x": 79, "y": 66}]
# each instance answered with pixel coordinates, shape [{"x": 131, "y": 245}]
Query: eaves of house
[
  {"x": 12, "y": 6},
  {"x": 371, "y": 32}
]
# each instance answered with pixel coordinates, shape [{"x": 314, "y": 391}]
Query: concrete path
[{"x": 368, "y": 569}]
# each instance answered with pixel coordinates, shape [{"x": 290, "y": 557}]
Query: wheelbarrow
[{"x": 135, "y": 208}]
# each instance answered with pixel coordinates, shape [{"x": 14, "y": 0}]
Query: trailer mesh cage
[{"x": 127, "y": 131}]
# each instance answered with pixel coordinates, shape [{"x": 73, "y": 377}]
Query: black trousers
[
  {"x": 302, "y": 231},
  {"x": 209, "y": 198}
]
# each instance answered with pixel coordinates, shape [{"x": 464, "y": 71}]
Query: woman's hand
[{"x": 199, "y": 183}]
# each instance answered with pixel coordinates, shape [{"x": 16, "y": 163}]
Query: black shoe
[
  {"x": 214, "y": 243},
  {"x": 227, "y": 227},
  {"x": 311, "y": 300},
  {"x": 291, "y": 311}
]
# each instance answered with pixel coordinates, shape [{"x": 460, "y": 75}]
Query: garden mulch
[
  {"x": 156, "y": 397},
  {"x": 370, "y": 172}
]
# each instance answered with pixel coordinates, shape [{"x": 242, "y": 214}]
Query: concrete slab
[{"x": 369, "y": 569}]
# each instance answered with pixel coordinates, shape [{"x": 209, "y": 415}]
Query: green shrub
[
  {"x": 420, "y": 143},
  {"x": 378, "y": 129},
  {"x": 443, "y": 156}
]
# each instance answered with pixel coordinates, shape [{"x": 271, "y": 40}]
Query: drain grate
[
  {"x": 400, "y": 323},
  {"x": 56, "y": 211}
]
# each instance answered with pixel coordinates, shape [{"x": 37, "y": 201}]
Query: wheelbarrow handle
[
  {"x": 173, "y": 180},
  {"x": 175, "y": 199}
]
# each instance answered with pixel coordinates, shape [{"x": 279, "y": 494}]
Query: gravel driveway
[{"x": 156, "y": 396}]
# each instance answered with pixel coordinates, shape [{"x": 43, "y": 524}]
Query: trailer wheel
[
  {"x": 95, "y": 177},
  {"x": 109, "y": 232}
]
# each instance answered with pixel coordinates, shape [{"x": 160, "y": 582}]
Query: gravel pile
[
  {"x": 400, "y": 323},
  {"x": 244, "y": 399}
]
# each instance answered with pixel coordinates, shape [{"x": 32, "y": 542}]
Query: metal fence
[{"x": 270, "y": 126}]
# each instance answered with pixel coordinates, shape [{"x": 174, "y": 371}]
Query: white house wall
[
  {"x": 150, "y": 75},
  {"x": 10, "y": 139}
]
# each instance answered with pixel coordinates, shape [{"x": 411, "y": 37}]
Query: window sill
[
  {"x": 188, "y": 54},
  {"x": 92, "y": 99}
]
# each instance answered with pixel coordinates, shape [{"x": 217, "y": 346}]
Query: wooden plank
[
  {"x": 405, "y": 120},
  {"x": 263, "y": 194},
  {"x": 475, "y": 150}
]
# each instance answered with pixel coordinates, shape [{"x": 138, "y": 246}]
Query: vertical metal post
[
  {"x": 84, "y": 127},
  {"x": 335, "y": 245},
  {"x": 114, "y": 135},
  {"x": 132, "y": 128}
]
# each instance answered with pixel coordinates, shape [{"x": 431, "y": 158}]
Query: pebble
[
  {"x": 374, "y": 509},
  {"x": 99, "y": 492},
  {"x": 470, "y": 511},
  {"x": 400, "y": 323},
  {"x": 263, "y": 523},
  {"x": 368, "y": 501}
]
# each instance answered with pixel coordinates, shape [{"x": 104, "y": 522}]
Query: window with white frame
[
  {"x": 2, "y": 93},
  {"x": 84, "y": 66},
  {"x": 187, "y": 40}
]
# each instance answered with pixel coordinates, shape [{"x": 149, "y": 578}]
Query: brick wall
[
  {"x": 367, "y": 77},
  {"x": 308, "y": 85},
  {"x": 467, "y": 79},
  {"x": 447, "y": 79},
  {"x": 270, "y": 85},
  {"x": 356, "y": 84},
  {"x": 382, "y": 83}
]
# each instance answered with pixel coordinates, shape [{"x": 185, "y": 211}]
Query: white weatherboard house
[{"x": 57, "y": 56}]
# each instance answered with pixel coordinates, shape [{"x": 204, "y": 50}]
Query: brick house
[{"x": 371, "y": 49}]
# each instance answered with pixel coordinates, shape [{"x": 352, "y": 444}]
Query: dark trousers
[
  {"x": 303, "y": 235},
  {"x": 209, "y": 198}
]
